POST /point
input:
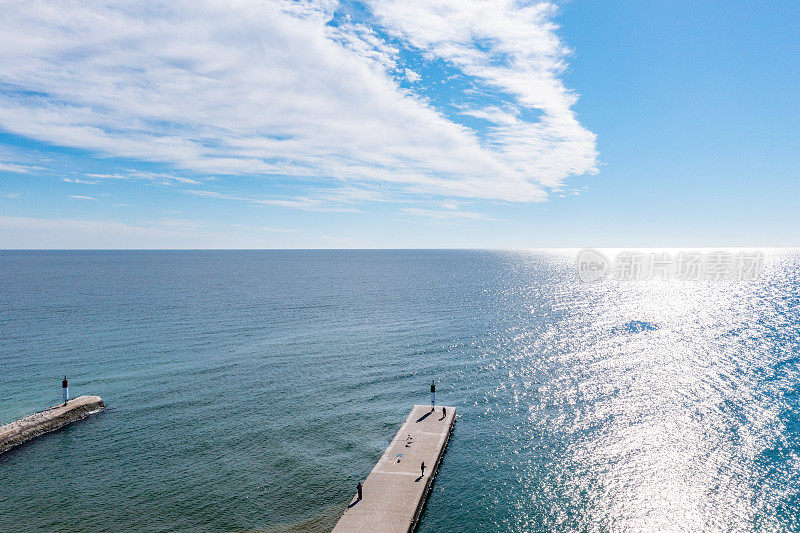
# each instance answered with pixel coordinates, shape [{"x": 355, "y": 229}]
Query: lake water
[{"x": 252, "y": 390}]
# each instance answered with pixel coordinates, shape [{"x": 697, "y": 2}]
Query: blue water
[{"x": 252, "y": 390}]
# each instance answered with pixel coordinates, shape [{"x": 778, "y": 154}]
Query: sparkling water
[{"x": 253, "y": 390}]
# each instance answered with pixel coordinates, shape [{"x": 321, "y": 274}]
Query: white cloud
[
  {"x": 190, "y": 225},
  {"x": 80, "y": 181},
  {"x": 156, "y": 177},
  {"x": 412, "y": 76},
  {"x": 28, "y": 232},
  {"x": 366, "y": 44},
  {"x": 13, "y": 167},
  {"x": 328, "y": 202},
  {"x": 266, "y": 87},
  {"x": 511, "y": 47},
  {"x": 446, "y": 215},
  {"x": 493, "y": 114},
  {"x": 77, "y": 197}
]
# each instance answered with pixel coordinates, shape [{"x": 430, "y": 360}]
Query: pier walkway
[
  {"x": 48, "y": 420},
  {"x": 394, "y": 493}
]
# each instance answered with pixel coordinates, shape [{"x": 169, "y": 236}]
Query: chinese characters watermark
[{"x": 638, "y": 266}]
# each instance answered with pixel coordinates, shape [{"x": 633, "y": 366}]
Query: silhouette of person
[
  {"x": 423, "y": 469},
  {"x": 433, "y": 395},
  {"x": 444, "y": 412},
  {"x": 360, "y": 488}
]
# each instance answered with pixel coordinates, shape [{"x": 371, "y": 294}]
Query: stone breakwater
[
  {"x": 395, "y": 492},
  {"x": 56, "y": 417}
]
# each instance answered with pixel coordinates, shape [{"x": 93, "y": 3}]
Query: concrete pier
[
  {"x": 56, "y": 417},
  {"x": 394, "y": 493}
]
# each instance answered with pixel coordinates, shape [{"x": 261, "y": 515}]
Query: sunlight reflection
[{"x": 648, "y": 401}]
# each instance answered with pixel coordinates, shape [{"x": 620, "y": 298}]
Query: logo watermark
[{"x": 593, "y": 266}]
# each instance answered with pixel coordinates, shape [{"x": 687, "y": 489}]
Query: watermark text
[{"x": 592, "y": 265}]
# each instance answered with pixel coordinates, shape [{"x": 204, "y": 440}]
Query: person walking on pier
[
  {"x": 360, "y": 488},
  {"x": 422, "y": 466},
  {"x": 65, "y": 390},
  {"x": 444, "y": 413},
  {"x": 433, "y": 396}
]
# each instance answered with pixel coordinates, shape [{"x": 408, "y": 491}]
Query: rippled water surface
[{"x": 252, "y": 390}]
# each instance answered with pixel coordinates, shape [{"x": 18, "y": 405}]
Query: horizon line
[{"x": 433, "y": 249}]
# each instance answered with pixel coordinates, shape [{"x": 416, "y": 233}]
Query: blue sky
[{"x": 399, "y": 124}]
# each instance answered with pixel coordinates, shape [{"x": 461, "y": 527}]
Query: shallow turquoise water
[{"x": 252, "y": 390}]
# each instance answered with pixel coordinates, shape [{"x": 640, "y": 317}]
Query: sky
[{"x": 399, "y": 124}]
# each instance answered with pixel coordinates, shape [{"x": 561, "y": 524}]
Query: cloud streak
[
  {"x": 287, "y": 89},
  {"x": 448, "y": 216},
  {"x": 61, "y": 233},
  {"x": 329, "y": 202},
  {"x": 13, "y": 167}
]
